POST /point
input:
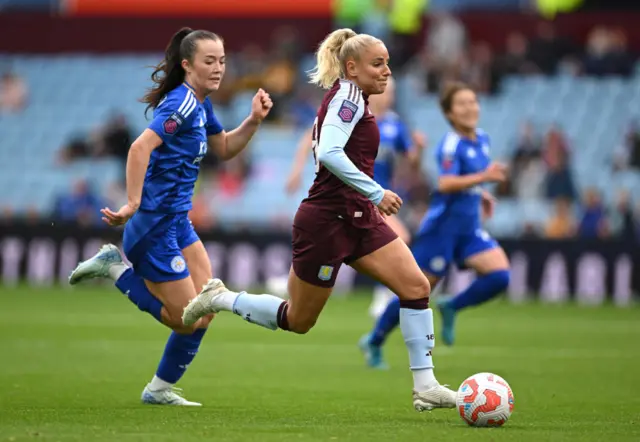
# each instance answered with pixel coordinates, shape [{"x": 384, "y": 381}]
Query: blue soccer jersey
[
  {"x": 450, "y": 230},
  {"x": 460, "y": 211},
  {"x": 158, "y": 232},
  {"x": 394, "y": 140},
  {"x": 183, "y": 123}
]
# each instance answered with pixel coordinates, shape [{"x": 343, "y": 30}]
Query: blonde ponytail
[{"x": 329, "y": 67}]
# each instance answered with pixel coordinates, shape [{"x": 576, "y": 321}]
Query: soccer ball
[{"x": 484, "y": 400}]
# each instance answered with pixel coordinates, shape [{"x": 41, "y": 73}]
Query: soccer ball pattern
[{"x": 485, "y": 400}]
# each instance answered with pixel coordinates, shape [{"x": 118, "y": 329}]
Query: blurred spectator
[
  {"x": 405, "y": 23},
  {"x": 527, "y": 171},
  {"x": 546, "y": 49},
  {"x": 446, "y": 39},
  {"x": 606, "y": 53},
  {"x": 81, "y": 206},
  {"x": 559, "y": 181},
  {"x": 562, "y": 224},
  {"x": 232, "y": 176},
  {"x": 480, "y": 69},
  {"x": 530, "y": 231},
  {"x": 594, "y": 218},
  {"x": 628, "y": 155},
  {"x": 13, "y": 93},
  {"x": 624, "y": 224},
  {"x": 514, "y": 60},
  {"x": 113, "y": 139}
]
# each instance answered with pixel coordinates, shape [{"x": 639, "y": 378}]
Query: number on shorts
[{"x": 314, "y": 144}]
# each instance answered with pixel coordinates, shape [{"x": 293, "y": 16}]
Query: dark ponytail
[{"x": 169, "y": 74}]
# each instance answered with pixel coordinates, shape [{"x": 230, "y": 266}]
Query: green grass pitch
[{"x": 73, "y": 364}]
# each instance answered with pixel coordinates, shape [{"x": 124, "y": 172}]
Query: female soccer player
[
  {"x": 339, "y": 222},
  {"x": 451, "y": 229},
  {"x": 395, "y": 140},
  {"x": 170, "y": 264}
]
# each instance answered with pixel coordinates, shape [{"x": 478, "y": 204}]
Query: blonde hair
[{"x": 334, "y": 51}]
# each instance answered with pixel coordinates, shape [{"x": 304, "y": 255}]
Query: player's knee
[
  {"x": 502, "y": 279},
  {"x": 418, "y": 289}
]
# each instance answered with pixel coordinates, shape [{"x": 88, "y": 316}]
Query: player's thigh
[
  {"x": 482, "y": 253},
  {"x": 488, "y": 261},
  {"x": 398, "y": 227},
  {"x": 306, "y": 302},
  {"x": 198, "y": 264},
  {"x": 394, "y": 266}
]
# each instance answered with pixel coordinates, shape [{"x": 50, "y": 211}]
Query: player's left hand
[
  {"x": 488, "y": 205},
  {"x": 117, "y": 218},
  {"x": 260, "y": 106}
]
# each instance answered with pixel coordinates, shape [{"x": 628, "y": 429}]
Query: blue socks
[
  {"x": 386, "y": 323},
  {"x": 481, "y": 290},
  {"x": 180, "y": 349},
  {"x": 178, "y": 354},
  {"x": 134, "y": 288}
]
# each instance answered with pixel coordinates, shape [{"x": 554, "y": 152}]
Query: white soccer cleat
[
  {"x": 436, "y": 397},
  {"x": 169, "y": 396},
  {"x": 97, "y": 266},
  {"x": 205, "y": 303}
]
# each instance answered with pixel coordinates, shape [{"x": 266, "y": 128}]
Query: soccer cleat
[
  {"x": 448, "y": 315},
  {"x": 436, "y": 397},
  {"x": 372, "y": 353},
  {"x": 169, "y": 396},
  {"x": 97, "y": 266},
  {"x": 205, "y": 302}
]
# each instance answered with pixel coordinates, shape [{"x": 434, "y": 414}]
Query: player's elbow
[{"x": 326, "y": 157}]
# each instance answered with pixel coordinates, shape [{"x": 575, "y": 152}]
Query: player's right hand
[
  {"x": 117, "y": 218},
  {"x": 390, "y": 204},
  {"x": 496, "y": 173}
]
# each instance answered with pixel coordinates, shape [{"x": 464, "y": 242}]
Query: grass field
[{"x": 73, "y": 364}]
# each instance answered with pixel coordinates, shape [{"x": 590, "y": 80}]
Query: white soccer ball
[{"x": 485, "y": 400}]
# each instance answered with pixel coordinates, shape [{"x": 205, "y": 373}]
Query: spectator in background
[
  {"x": 594, "y": 218},
  {"x": 527, "y": 176},
  {"x": 559, "y": 180},
  {"x": 628, "y": 155},
  {"x": 624, "y": 224},
  {"x": 514, "y": 61},
  {"x": 81, "y": 206},
  {"x": 113, "y": 139},
  {"x": 606, "y": 53},
  {"x": 13, "y": 93},
  {"x": 546, "y": 49},
  {"x": 480, "y": 69},
  {"x": 562, "y": 223}
]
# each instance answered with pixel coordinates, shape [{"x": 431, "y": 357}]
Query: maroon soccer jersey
[{"x": 352, "y": 115}]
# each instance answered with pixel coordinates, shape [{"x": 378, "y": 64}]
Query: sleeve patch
[
  {"x": 347, "y": 111},
  {"x": 172, "y": 124}
]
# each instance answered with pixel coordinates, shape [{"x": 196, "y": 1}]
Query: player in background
[
  {"x": 340, "y": 222},
  {"x": 170, "y": 264},
  {"x": 451, "y": 229},
  {"x": 395, "y": 141}
]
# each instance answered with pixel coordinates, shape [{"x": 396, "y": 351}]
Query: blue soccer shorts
[
  {"x": 153, "y": 243},
  {"x": 434, "y": 250}
]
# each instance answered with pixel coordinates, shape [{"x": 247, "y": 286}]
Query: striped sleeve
[
  {"x": 447, "y": 155},
  {"x": 174, "y": 112},
  {"x": 345, "y": 109}
]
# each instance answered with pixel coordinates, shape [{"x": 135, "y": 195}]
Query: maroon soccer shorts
[{"x": 322, "y": 241}]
